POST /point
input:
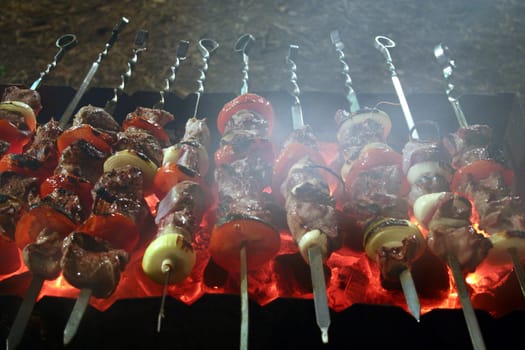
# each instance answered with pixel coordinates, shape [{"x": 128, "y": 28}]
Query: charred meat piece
[
  {"x": 375, "y": 192},
  {"x": 42, "y": 257},
  {"x": 27, "y": 96},
  {"x": 83, "y": 160},
  {"x": 309, "y": 205},
  {"x": 497, "y": 208},
  {"x": 304, "y": 136},
  {"x": 120, "y": 191},
  {"x": 4, "y": 147},
  {"x": 352, "y": 137},
  {"x": 197, "y": 131},
  {"x": 90, "y": 262},
  {"x": 156, "y": 116},
  {"x": 23, "y": 188},
  {"x": 11, "y": 209},
  {"x": 141, "y": 141},
  {"x": 68, "y": 203},
  {"x": 468, "y": 144},
  {"x": 98, "y": 118},
  {"x": 418, "y": 151},
  {"x": 44, "y": 145},
  {"x": 183, "y": 206},
  {"x": 248, "y": 121},
  {"x": 465, "y": 243},
  {"x": 393, "y": 260},
  {"x": 125, "y": 182},
  {"x": 451, "y": 232}
]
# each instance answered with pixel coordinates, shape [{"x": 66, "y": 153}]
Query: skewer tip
[{"x": 324, "y": 335}]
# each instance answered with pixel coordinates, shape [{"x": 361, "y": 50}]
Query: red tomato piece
[
  {"x": 119, "y": 230},
  {"x": 153, "y": 128},
  {"x": 480, "y": 170},
  {"x": 250, "y": 102},
  {"x": 86, "y": 132},
  {"x": 71, "y": 183},
  {"x": 374, "y": 157},
  {"x": 261, "y": 240},
  {"x": 168, "y": 176},
  {"x": 16, "y": 138},
  {"x": 25, "y": 165},
  {"x": 39, "y": 218}
]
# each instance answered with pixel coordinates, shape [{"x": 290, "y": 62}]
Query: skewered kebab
[
  {"x": 383, "y": 44},
  {"x": 310, "y": 208},
  {"x": 169, "y": 257},
  {"x": 481, "y": 176},
  {"x": 374, "y": 193},
  {"x": 65, "y": 202},
  {"x": 243, "y": 238},
  {"x": 18, "y": 112},
  {"x": 119, "y": 208}
]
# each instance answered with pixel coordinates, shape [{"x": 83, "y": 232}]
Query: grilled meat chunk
[
  {"x": 27, "y": 96},
  {"x": 42, "y": 257},
  {"x": 98, "y": 118},
  {"x": 156, "y": 116},
  {"x": 90, "y": 262},
  {"x": 83, "y": 160},
  {"x": 141, "y": 141}
]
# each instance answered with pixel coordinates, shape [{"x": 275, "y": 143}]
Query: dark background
[{"x": 486, "y": 39}]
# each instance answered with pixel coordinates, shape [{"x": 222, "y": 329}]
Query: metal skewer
[
  {"x": 351, "y": 96},
  {"x": 442, "y": 55},
  {"x": 242, "y": 45},
  {"x": 24, "y": 312},
  {"x": 182, "y": 49},
  {"x": 466, "y": 304},
  {"x": 206, "y": 48},
  {"x": 322, "y": 312},
  {"x": 382, "y": 43},
  {"x": 65, "y": 43},
  {"x": 82, "y": 300},
  {"x": 64, "y": 120},
  {"x": 166, "y": 269}
]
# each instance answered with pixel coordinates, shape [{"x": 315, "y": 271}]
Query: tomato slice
[
  {"x": 71, "y": 183},
  {"x": 251, "y": 102},
  {"x": 261, "y": 240},
  {"x": 119, "y": 230},
  {"x": 373, "y": 157},
  {"x": 150, "y": 126},
  {"x": 258, "y": 147},
  {"x": 168, "y": 176},
  {"x": 25, "y": 165},
  {"x": 34, "y": 221},
  {"x": 85, "y": 132},
  {"x": 17, "y": 139},
  {"x": 480, "y": 170}
]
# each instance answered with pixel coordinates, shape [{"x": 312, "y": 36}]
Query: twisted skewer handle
[
  {"x": 206, "y": 47},
  {"x": 140, "y": 46},
  {"x": 65, "y": 43},
  {"x": 351, "y": 96},
  {"x": 182, "y": 50}
]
